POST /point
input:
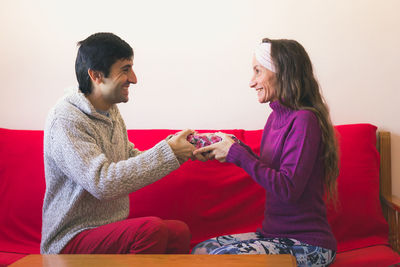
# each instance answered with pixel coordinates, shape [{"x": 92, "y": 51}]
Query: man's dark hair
[{"x": 98, "y": 52}]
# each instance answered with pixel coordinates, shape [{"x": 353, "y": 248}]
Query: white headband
[{"x": 263, "y": 56}]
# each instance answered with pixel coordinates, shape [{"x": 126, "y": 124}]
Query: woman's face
[{"x": 264, "y": 81}]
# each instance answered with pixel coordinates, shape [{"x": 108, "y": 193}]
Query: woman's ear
[{"x": 96, "y": 76}]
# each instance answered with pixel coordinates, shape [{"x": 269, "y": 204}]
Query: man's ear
[{"x": 96, "y": 76}]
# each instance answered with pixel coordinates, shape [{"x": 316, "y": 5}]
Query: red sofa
[{"x": 212, "y": 198}]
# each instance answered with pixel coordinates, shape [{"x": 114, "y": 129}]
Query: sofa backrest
[
  {"x": 212, "y": 198},
  {"x": 22, "y": 187},
  {"x": 358, "y": 221},
  {"x": 189, "y": 193}
]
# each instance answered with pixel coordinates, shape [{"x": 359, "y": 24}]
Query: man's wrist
[{"x": 169, "y": 137}]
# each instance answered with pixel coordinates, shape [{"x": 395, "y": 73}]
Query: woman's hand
[{"x": 217, "y": 151}]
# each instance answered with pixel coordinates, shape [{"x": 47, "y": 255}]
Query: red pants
[{"x": 146, "y": 235}]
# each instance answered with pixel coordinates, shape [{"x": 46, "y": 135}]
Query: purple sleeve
[
  {"x": 248, "y": 149},
  {"x": 299, "y": 154},
  {"x": 239, "y": 149}
]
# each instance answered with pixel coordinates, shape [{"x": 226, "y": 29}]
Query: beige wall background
[{"x": 193, "y": 59}]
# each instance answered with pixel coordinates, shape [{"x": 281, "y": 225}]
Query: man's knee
[
  {"x": 172, "y": 236},
  {"x": 178, "y": 237},
  {"x": 151, "y": 236},
  {"x": 154, "y": 226},
  {"x": 178, "y": 229}
]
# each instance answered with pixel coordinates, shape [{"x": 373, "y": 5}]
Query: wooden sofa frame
[{"x": 390, "y": 204}]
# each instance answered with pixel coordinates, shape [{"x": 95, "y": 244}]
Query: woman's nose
[{"x": 252, "y": 83}]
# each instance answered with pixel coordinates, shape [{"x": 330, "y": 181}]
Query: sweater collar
[
  {"x": 281, "y": 113},
  {"x": 79, "y": 100}
]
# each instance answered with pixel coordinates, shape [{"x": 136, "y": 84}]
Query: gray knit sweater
[{"x": 90, "y": 168}]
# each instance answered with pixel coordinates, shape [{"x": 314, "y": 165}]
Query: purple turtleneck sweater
[{"x": 290, "y": 168}]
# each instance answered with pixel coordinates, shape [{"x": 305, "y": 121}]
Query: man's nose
[{"x": 132, "y": 77}]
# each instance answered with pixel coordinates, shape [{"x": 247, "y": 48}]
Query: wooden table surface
[{"x": 113, "y": 260}]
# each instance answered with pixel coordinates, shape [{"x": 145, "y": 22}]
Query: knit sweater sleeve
[
  {"x": 249, "y": 150},
  {"x": 77, "y": 154},
  {"x": 299, "y": 154}
]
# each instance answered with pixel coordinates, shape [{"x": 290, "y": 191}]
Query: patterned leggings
[{"x": 254, "y": 243}]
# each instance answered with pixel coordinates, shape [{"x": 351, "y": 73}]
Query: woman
[{"x": 298, "y": 161}]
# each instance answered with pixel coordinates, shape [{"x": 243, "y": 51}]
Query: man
[{"x": 91, "y": 167}]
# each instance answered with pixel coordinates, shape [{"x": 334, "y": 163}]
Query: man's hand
[
  {"x": 182, "y": 149},
  {"x": 219, "y": 150}
]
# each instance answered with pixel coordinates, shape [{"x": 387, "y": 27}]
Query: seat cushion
[
  {"x": 6, "y": 258},
  {"x": 374, "y": 256}
]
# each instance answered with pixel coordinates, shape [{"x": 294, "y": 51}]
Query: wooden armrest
[
  {"x": 392, "y": 202},
  {"x": 391, "y": 211}
]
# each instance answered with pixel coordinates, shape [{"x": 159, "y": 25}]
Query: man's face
[{"x": 114, "y": 88}]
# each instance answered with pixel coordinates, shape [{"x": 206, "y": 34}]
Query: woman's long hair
[{"x": 298, "y": 89}]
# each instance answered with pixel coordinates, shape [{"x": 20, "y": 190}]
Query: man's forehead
[{"x": 124, "y": 61}]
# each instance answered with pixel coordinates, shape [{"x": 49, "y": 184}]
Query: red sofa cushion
[
  {"x": 22, "y": 187},
  {"x": 358, "y": 220},
  {"x": 212, "y": 197},
  {"x": 374, "y": 256},
  {"x": 8, "y": 258}
]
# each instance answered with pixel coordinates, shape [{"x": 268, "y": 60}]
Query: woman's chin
[{"x": 262, "y": 100}]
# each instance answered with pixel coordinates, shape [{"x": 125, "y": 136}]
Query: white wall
[{"x": 192, "y": 58}]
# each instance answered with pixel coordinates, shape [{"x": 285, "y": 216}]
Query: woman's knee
[{"x": 206, "y": 247}]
